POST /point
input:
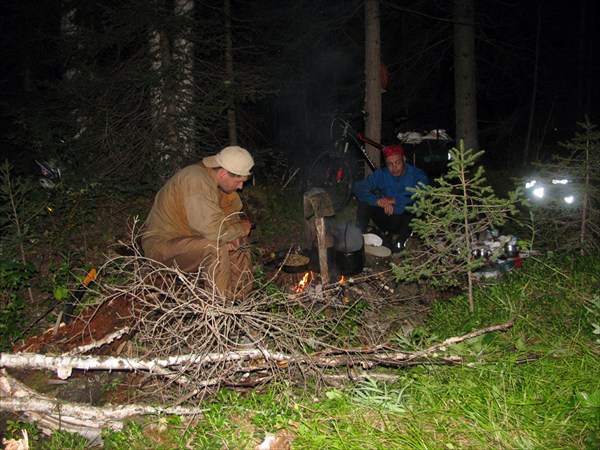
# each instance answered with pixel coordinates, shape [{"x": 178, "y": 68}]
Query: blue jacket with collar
[{"x": 390, "y": 186}]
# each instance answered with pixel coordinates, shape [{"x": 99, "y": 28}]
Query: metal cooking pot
[
  {"x": 350, "y": 263},
  {"x": 349, "y": 251}
]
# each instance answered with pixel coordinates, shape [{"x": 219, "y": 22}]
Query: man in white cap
[{"x": 195, "y": 222}]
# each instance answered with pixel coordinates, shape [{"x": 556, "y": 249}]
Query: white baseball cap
[{"x": 234, "y": 159}]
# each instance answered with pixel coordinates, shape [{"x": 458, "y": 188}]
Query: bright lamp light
[
  {"x": 530, "y": 184},
  {"x": 539, "y": 192}
]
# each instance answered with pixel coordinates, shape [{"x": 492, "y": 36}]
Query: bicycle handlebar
[
  {"x": 346, "y": 118},
  {"x": 350, "y": 115}
]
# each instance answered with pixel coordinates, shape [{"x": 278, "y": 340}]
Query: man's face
[
  {"x": 229, "y": 182},
  {"x": 396, "y": 164}
]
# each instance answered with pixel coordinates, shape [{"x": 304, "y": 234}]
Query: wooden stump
[{"x": 317, "y": 206}]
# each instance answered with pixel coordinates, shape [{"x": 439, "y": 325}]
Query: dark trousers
[{"x": 394, "y": 224}]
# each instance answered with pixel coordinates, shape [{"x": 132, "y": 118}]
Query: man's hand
[
  {"x": 387, "y": 203},
  {"x": 235, "y": 244}
]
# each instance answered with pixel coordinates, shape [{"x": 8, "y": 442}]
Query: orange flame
[
  {"x": 342, "y": 279},
  {"x": 303, "y": 283}
]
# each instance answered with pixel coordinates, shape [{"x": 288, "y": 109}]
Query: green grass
[{"x": 534, "y": 386}]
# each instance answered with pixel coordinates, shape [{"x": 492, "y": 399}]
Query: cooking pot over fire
[{"x": 349, "y": 251}]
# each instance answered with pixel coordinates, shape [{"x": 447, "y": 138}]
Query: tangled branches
[{"x": 178, "y": 313}]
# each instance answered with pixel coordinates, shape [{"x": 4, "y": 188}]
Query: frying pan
[
  {"x": 280, "y": 258},
  {"x": 295, "y": 268}
]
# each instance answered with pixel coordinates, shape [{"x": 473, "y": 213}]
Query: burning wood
[{"x": 307, "y": 279}]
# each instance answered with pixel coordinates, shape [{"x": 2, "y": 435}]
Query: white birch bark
[
  {"x": 183, "y": 57},
  {"x": 64, "y": 365}
]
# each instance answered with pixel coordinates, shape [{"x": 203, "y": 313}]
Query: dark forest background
[{"x": 80, "y": 94}]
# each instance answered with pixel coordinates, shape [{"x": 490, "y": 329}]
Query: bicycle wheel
[{"x": 332, "y": 173}]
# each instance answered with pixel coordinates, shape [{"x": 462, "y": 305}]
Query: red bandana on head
[{"x": 391, "y": 150}]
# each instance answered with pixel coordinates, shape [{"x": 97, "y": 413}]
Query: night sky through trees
[{"x": 314, "y": 52}]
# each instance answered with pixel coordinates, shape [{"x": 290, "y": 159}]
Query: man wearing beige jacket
[{"x": 195, "y": 222}]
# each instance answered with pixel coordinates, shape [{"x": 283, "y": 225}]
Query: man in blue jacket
[{"x": 382, "y": 197}]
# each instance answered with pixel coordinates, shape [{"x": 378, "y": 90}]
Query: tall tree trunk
[
  {"x": 373, "y": 77},
  {"x": 68, "y": 29},
  {"x": 160, "y": 55},
  {"x": 231, "y": 113},
  {"x": 173, "y": 120},
  {"x": 586, "y": 44},
  {"x": 183, "y": 57},
  {"x": 465, "y": 85},
  {"x": 533, "y": 91}
]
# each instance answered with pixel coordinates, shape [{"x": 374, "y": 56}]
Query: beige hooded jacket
[{"x": 190, "y": 204}]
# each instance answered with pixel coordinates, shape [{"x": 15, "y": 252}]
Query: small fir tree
[
  {"x": 17, "y": 211},
  {"x": 449, "y": 216}
]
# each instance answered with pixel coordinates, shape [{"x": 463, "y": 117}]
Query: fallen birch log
[
  {"x": 64, "y": 365},
  {"x": 89, "y": 421},
  {"x": 173, "y": 366}
]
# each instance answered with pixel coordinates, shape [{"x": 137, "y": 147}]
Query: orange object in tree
[{"x": 385, "y": 76}]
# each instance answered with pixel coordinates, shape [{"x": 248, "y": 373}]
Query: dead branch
[
  {"x": 216, "y": 343},
  {"x": 454, "y": 340},
  {"x": 290, "y": 178},
  {"x": 100, "y": 342},
  {"x": 89, "y": 420},
  {"x": 64, "y": 365}
]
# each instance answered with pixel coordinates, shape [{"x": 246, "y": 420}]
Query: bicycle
[{"x": 333, "y": 170}]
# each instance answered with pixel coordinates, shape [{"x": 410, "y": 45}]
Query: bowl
[
  {"x": 481, "y": 253},
  {"x": 512, "y": 250}
]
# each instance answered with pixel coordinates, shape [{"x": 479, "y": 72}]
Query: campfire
[{"x": 308, "y": 280}]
